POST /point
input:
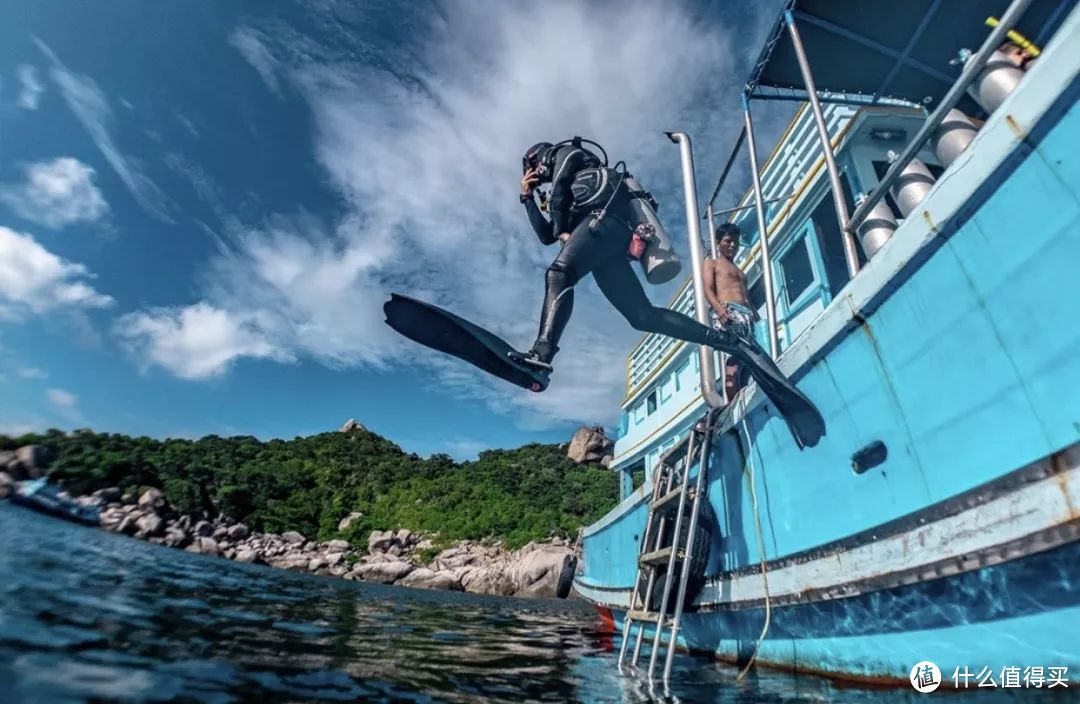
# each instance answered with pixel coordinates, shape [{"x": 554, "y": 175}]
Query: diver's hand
[
  {"x": 722, "y": 315},
  {"x": 564, "y": 237},
  {"x": 528, "y": 182}
]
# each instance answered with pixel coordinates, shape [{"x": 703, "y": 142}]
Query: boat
[
  {"x": 916, "y": 279},
  {"x": 40, "y": 495}
]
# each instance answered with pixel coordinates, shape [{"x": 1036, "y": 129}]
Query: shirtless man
[{"x": 725, "y": 289}]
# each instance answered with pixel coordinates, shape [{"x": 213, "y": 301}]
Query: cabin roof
[{"x": 874, "y": 52}]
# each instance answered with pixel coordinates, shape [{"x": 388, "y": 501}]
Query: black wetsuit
[{"x": 603, "y": 253}]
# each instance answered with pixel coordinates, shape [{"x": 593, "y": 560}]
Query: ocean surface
[{"x": 87, "y": 615}]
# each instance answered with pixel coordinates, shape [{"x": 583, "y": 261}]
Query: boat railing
[{"x": 971, "y": 71}]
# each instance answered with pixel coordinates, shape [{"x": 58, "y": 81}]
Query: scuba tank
[
  {"x": 659, "y": 262},
  {"x": 953, "y": 136},
  {"x": 878, "y": 226},
  {"x": 914, "y": 183},
  {"x": 595, "y": 190}
]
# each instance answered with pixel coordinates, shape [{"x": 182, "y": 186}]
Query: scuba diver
[{"x": 593, "y": 214}]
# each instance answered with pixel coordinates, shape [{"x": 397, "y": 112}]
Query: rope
[{"x": 761, "y": 551}]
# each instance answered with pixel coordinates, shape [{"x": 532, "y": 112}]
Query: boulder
[
  {"x": 383, "y": 572},
  {"x": 293, "y": 537},
  {"x": 379, "y": 540},
  {"x": 152, "y": 500},
  {"x": 7, "y": 485},
  {"x": 344, "y": 524},
  {"x": 292, "y": 562},
  {"x": 203, "y": 529},
  {"x": 491, "y": 580},
  {"x": 184, "y": 523},
  {"x": 425, "y": 544},
  {"x": 220, "y": 533},
  {"x": 605, "y": 461},
  {"x": 333, "y": 559},
  {"x": 149, "y": 524},
  {"x": 423, "y": 578},
  {"x": 351, "y": 426},
  {"x": 128, "y": 525},
  {"x": 247, "y": 555},
  {"x": 316, "y": 563},
  {"x": 6, "y": 458},
  {"x": 175, "y": 538},
  {"x": 204, "y": 546},
  {"x": 111, "y": 495},
  {"x": 33, "y": 460},
  {"x": 237, "y": 532},
  {"x": 537, "y": 572},
  {"x": 339, "y": 570},
  {"x": 589, "y": 444},
  {"x": 394, "y": 550},
  {"x": 338, "y": 545},
  {"x": 405, "y": 537}
]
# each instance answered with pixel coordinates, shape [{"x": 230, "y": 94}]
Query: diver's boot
[{"x": 539, "y": 356}]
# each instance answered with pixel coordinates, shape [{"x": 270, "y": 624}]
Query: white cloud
[
  {"x": 32, "y": 373},
  {"x": 64, "y": 400},
  {"x": 196, "y": 342},
  {"x": 426, "y": 155},
  {"x": 56, "y": 193},
  {"x": 32, "y": 87},
  {"x": 32, "y": 279},
  {"x": 251, "y": 45},
  {"x": 91, "y": 108}
]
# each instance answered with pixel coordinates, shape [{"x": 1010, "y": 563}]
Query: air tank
[
  {"x": 659, "y": 262},
  {"x": 953, "y": 136},
  {"x": 914, "y": 182},
  {"x": 996, "y": 81},
  {"x": 878, "y": 226}
]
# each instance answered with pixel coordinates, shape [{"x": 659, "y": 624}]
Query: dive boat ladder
[{"x": 666, "y": 545}]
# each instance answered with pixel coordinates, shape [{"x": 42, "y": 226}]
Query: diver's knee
[
  {"x": 559, "y": 276},
  {"x": 642, "y": 319}
]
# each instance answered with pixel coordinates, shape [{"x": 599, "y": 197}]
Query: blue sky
[{"x": 203, "y": 205}]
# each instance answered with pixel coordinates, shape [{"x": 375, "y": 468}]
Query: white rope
[{"x": 761, "y": 550}]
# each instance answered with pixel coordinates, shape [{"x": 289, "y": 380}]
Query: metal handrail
[
  {"x": 705, "y": 355},
  {"x": 971, "y": 70}
]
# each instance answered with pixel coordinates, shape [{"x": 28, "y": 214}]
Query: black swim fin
[{"x": 804, "y": 420}]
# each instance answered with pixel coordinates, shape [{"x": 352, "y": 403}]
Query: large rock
[
  {"x": 537, "y": 572},
  {"x": 32, "y": 460},
  {"x": 491, "y": 580},
  {"x": 338, "y": 545},
  {"x": 589, "y": 444},
  {"x": 175, "y": 538},
  {"x": 316, "y": 563},
  {"x": 382, "y": 572},
  {"x": 183, "y": 523},
  {"x": 291, "y": 536},
  {"x": 344, "y": 523},
  {"x": 351, "y": 426},
  {"x": 380, "y": 540},
  {"x": 423, "y": 578},
  {"x": 111, "y": 495},
  {"x": 237, "y": 532},
  {"x": 7, "y": 485},
  {"x": 247, "y": 555},
  {"x": 203, "y": 529},
  {"x": 152, "y": 500},
  {"x": 204, "y": 546},
  {"x": 333, "y": 559},
  {"x": 405, "y": 537},
  {"x": 149, "y": 524},
  {"x": 128, "y": 525}
]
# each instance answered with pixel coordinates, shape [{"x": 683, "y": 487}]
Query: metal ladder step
[
  {"x": 667, "y": 502},
  {"x": 658, "y": 557},
  {"x": 646, "y": 616}
]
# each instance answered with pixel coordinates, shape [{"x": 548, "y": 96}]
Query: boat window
[
  {"x": 682, "y": 376},
  {"x": 667, "y": 386},
  {"x": 831, "y": 241},
  {"x": 797, "y": 270},
  {"x": 637, "y": 476},
  {"x": 639, "y": 414},
  {"x": 650, "y": 402},
  {"x": 624, "y": 424}
]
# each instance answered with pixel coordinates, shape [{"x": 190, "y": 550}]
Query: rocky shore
[
  {"x": 391, "y": 557},
  {"x": 399, "y": 557}
]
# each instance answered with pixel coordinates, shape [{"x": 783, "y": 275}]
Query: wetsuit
[{"x": 603, "y": 253}]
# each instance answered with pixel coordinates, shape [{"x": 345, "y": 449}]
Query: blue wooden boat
[{"x": 939, "y": 518}]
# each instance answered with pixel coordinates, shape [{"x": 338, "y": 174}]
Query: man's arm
[
  {"x": 540, "y": 225},
  {"x": 561, "y": 196}
]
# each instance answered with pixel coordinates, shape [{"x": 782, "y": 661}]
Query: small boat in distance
[{"x": 41, "y": 496}]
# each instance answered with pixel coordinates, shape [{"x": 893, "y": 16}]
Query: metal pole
[
  {"x": 972, "y": 68},
  {"x": 763, "y": 235},
  {"x": 850, "y": 253},
  {"x": 737, "y": 208},
  {"x": 712, "y": 233},
  {"x": 705, "y": 357}
]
